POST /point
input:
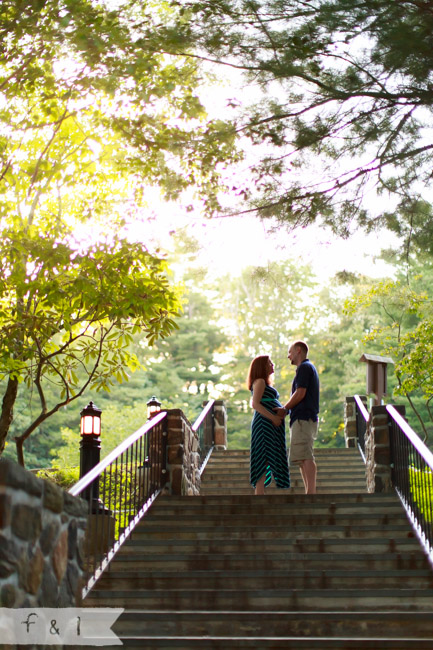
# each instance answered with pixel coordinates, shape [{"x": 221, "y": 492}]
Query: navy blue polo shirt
[{"x": 306, "y": 377}]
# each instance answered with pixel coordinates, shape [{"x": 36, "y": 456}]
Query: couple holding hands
[{"x": 268, "y": 437}]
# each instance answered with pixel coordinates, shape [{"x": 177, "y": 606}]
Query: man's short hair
[{"x": 302, "y": 345}]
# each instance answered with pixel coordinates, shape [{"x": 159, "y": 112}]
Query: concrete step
[
  {"x": 334, "y": 465},
  {"x": 353, "y": 531},
  {"x": 324, "y": 470},
  {"x": 268, "y": 561},
  {"x": 274, "y": 624},
  {"x": 265, "y": 599},
  {"x": 300, "y": 544},
  {"x": 326, "y": 451},
  {"x": 267, "y": 506},
  {"x": 216, "y": 490},
  {"x": 321, "y": 454},
  {"x": 336, "y": 479},
  {"x": 228, "y": 478},
  {"x": 267, "y": 579},
  {"x": 282, "y": 499},
  {"x": 230, "y": 643},
  {"x": 192, "y": 521}
]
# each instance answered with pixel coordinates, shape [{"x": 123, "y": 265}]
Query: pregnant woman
[{"x": 268, "y": 437}]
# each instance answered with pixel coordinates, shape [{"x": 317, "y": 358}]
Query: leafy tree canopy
[
  {"x": 92, "y": 110},
  {"x": 347, "y": 99},
  {"x": 67, "y": 318},
  {"x": 404, "y": 331}
]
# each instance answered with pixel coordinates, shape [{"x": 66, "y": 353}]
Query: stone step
[
  {"x": 326, "y": 479},
  {"x": 267, "y": 579},
  {"x": 232, "y": 478},
  {"x": 273, "y": 624},
  {"x": 295, "y": 483},
  {"x": 288, "y": 518},
  {"x": 326, "y": 451},
  {"x": 295, "y": 531},
  {"x": 221, "y": 490},
  {"x": 229, "y": 457},
  {"x": 322, "y": 465},
  {"x": 324, "y": 470},
  {"x": 382, "y": 500},
  {"x": 381, "y": 544},
  {"x": 244, "y": 461},
  {"x": 283, "y": 498},
  {"x": 230, "y": 643},
  {"x": 264, "y": 507},
  {"x": 268, "y": 561},
  {"x": 265, "y": 599}
]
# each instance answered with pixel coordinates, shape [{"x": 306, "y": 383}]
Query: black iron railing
[
  {"x": 204, "y": 426},
  {"x": 362, "y": 418},
  {"x": 412, "y": 475},
  {"x": 120, "y": 489}
]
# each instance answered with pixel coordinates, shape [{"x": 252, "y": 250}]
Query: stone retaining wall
[{"x": 42, "y": 530}]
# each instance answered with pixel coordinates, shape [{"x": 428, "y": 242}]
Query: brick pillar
[
  {"x": 182, "y": 455},
  {"x": 378, "y": 451},
  {"x": 350, "y": 435},
  {"x": 220, "y": 425}
]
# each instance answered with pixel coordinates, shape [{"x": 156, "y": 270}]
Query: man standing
[{"x": 304, "y": 408}]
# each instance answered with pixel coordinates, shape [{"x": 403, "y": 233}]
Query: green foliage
[
  {"x": 67, "y": 318},
  {"x": 421, "y": 487},
  {"x": 346, "y": 104},
  {"x": 404, "y": 331},
  {"x": 64, "y": 477},
  {"x": 92, "y": 110},
  {"x": 117, "y": 424}
]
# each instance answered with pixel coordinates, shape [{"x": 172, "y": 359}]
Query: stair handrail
[
  {"x": 362, "y": 419},
  {"x": 119, "y": 490},
  {"x": 412, "y": 476},
  {"x": 204, "y": 426}
]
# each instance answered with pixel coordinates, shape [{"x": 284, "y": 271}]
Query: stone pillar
[
  {"x": 378, "y": 450},
  {"x": 183, "y": 475},
  {"x": 220, "y": 425},
  {"x": 350, "y": 434}
]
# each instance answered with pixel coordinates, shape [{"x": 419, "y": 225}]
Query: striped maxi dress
[{"x": 268, "y": 445}]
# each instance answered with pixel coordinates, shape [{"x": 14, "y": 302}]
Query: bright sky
[{"x": 231, "y": 243}]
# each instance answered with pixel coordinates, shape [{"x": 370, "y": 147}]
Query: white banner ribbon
[{"x": 54, "y": 626}]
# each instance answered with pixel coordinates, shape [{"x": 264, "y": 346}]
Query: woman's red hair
[{"x": 259, "y": 369}]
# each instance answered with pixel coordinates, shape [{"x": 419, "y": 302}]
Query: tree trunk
[{"x": 7, "y": 413}]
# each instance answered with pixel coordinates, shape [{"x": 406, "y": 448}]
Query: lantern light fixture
[
  {"x": 153, "y": 407},
  {"x": 91, "y": 420}
]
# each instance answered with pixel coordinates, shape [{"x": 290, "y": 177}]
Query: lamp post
[
  {"x": 90, "y": 450},
  {"x": 153, "y": 407}
]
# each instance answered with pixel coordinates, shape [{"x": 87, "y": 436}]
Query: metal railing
[
  {"x": 120, "y": 489},
  {"x": 362, "y": 418},
  {"x": 412, "y": 476},
  {"x": 204, "y": 426}
]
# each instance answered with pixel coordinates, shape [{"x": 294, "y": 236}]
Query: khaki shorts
[{"x": 302, "y": 436}]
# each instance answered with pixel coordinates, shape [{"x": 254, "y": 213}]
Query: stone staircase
[
  {"x": 338, "y": 470},
  {"x": 340, "y": 569}
]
